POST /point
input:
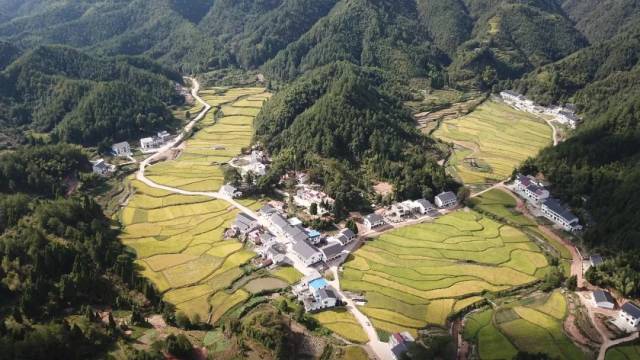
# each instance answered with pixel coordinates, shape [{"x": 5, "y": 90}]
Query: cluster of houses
[
  {"x": 563, "y": 114},
  {"x": 306, "y": 195},
  {"x": 154, "y": 143},
  {"x": 535, "y": 193},
  {"x": 420, "y": 207},
  {"x": 315, "y": 293}
]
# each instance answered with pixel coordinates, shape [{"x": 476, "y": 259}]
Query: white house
[
  {"x": 423, "y": 206},
  {"x": 229, "y": 191},
  {"x": 307, "y": 195},
  {"x": 331, "y": 252},
  {"x": 373, "y": 220},
  {"x": 245, "y": 223},
  {"x": 121, "y": 149},
  {"x": 101, "y": 168},
  {"x": 317, "y": 295},
  {"x": 604, "y": 300},
  {"x": 553, "y": 210},
  {"x": 308, "y": 254},
  {"x": 529, "y": 188},
  {"x": 404, "y": 208},
  {"x": 630, "y": 316},
  {"x": 446, "y": 200},
  {"x": 348, "y": 236}
]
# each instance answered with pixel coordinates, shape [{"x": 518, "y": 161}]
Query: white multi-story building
[
  {"x": 553, "y": 210},
  {"x": 121, "y": 149},
  {"x": 629, "y": 316},
  {"x": 446, "y": 200},
  {"x": 530, "y": 189}
]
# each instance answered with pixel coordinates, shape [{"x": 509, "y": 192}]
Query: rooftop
[
  {"x": 596, "y": 259},
  {"x": 555, "y": 206},
  {"x": 332, "y": 250},
  {"x": 602, "y": 296},
  {"x": 348, "y": 233},
  {"x": 632, "y": 309},
  {"x": 424, "y": 203},
  {"x": 318, "y": 283},
  {"x": 326, "y": 293},
  {"x": 373, "y": 218},
  {"x": 304, "y": 250},
  {"x": 447, "y": 196}
]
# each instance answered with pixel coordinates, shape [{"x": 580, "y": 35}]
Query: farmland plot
[
  {"x": 178, "y": 239},
  {"x": 491, "y": 141},
  {"x": 421, "y": 274}
]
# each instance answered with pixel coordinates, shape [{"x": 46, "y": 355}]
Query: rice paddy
[
  {"x": 492, "y": 141},
  {"x": 534, "y": 325},
  {"x": 343, "y": 324},
  {"x": 223, "y": 133},
  {"x": 624, "y": 352},
  {"x": 420, "y": 275},
  {"x": 179, "y": 239}
]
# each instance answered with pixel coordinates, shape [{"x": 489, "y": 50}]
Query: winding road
[{"x": 381, "y": 349}]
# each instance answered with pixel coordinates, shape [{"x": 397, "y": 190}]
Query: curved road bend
[{"x": 381, "y": 349}]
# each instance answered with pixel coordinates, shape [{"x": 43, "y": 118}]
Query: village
[{"x": 565, "y": 115}]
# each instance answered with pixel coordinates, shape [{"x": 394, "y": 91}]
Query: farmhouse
[
  {"x": 603, "y": 299},
  {"x": 280, "y": 223},
  {"x": 319, "y": 295},
  {"x": 373, "y": 221},
  {"x": 276, "y": 254},
  {"x": 553, "y": 210},
  {"x": 101, "y": 168},
  {"x": 121, "y": 149},
  {"x": 306, "y": 253},
  {"x": 347, "y": 236},
  {"x": 529, "y": 188},
  {"x": 331, "y": 252},
  {"x": 245, "y": 223},
  {"x": 229, "y": 191},
  {"x": 314, "y": 236},
  {"x": 595, "y": 260},
  {"x": 446, "y": 200},
  {"x": 630, "y": 316},
  {"x": 423, "y": 206},
  {"x": 402, "y": 209}
]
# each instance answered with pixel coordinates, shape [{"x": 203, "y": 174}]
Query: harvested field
[
  {"x": 491, "y": 141},
  {"x": 419, "y": 275},
  {"x": 288, "y": 274},
  {"x": 259, "y": 285},
  {"x": 178, "y": 239}
]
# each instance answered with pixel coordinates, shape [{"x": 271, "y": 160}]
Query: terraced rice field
[
  {"x": 421, "y": 274},
  {"x": 178, "y": 239},
  {"x": 624, "y": 352},
  {"x": 534, "y": 325},
  {"x": 491, "y": 141},
  {"x": 343, "y": 324},
  {"x": 226, "y": 129}
]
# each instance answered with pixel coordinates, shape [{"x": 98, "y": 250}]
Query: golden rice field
[
  {"x": 226, "y": 129},
  {"x": 421, "y": 274},
  {"x": 178, "y": 239},
  {"x": 533, "y": 325},
  {"x": 492, "y": 141},
  {"x": 343, "y": 324}
]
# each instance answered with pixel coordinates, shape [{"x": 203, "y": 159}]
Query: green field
[
  {"x": 421, "y": 274},
  {"x": 624, "y": 352},
  {"x": 491, "y": 141},
  {"x": 533, "y": 325},
  {"x": 222, "y": 134},
  {"x": 178, "y": 239}
]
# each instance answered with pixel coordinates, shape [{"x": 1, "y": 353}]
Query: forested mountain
[
  {"x": 348, "y": 115},
  {"x": 61, "y": 90},
  {"x": 597, "y": 167},
  {"x": 599, "y": 20},
  {"x": 8, "y": 53},
  {"x": 485, "y": 40}
]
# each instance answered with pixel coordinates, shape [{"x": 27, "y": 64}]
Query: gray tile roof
[
  {"x": 304, "y": 250},
  {"x": 331, "y": 250},
  {"x": 374, "y": 218},
  {"x": 348, "y": 233},
  {"x": 326, "y": 293},
  {"x": 267, "y": 209},
  {"x": 244, "y": 222},
  {"x": 596, "y": 259},
  {"x": 632, "y": 309},
  {"x": 446, "y": 197},
  {"x": 602, "y": 296},
  {"x": 425, "y": 203},
  {"x": 562, "y": 211},
  {"x": 279, "y": 221}
]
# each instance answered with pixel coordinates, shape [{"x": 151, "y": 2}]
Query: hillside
[
  {"x": 61, "y": 90},
  {"x": 345, "y": 122},
  {"x": 600, "y": 20}
]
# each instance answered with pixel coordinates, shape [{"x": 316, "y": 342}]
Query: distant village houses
[
  {"x": 154, "y": 143},
  {"x": 565, "y": 115},
  {"x": 121, "y": 149}
]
